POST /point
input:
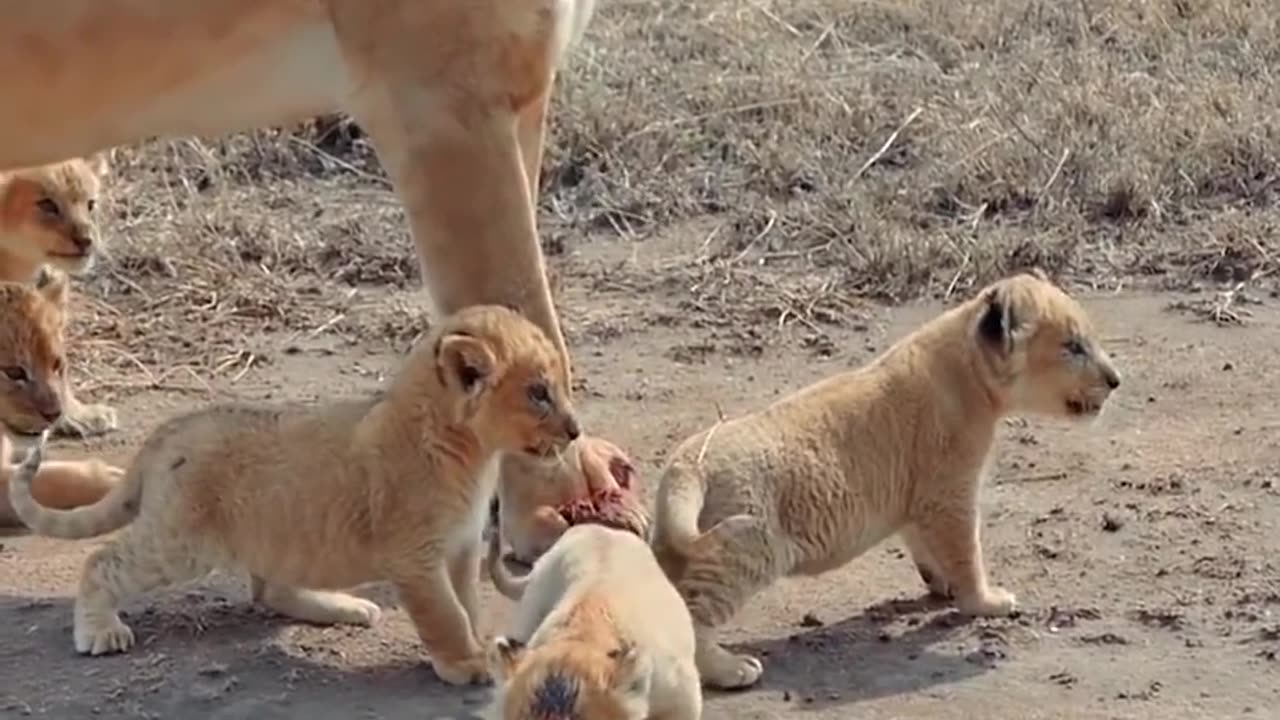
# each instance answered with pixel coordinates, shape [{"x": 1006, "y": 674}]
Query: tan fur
[
  {"x": 599, "y": 632},
  {"x": 310, "y": 499},
  {"x": 32, "y": 385},
  {"x": 453, "y": 93},
  {"x": 47, "y": 224},
  {"x": 900, "y": 445}
]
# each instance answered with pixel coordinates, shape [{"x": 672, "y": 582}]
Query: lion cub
[
  {"x": 32, "y": 370},
  {"x": 47, "y": 225},
  {"x": 900, "y": 445},
  {"x": 599, "y": 633},
  {"x": 309, "y": 499}
]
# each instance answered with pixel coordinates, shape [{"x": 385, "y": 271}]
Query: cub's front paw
[
  {"x": 473, "y": 670},
  {"x": 997, "y": 602},
  {"x": 86, "y": 421},
  {"x": 112, "y": 637}
]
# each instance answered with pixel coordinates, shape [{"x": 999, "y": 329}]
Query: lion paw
[
  {"x": 473, "y": 670},
  {"x": 361, "y": 612},
  {"x": 87, "y": 421},
  {"x": 997, "y": 602},
  {"x": 731, "y": 671},
  {"x": 115, "y": 637}
]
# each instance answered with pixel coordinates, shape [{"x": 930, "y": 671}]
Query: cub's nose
[
  {"x": 82, "y": 242},
  {"x": 1113, "y": 378},
  {"x": 571, "y": 429}
]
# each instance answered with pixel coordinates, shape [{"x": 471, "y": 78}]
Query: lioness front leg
[
  {"x": 443, "y": 625},
  {"x": 951, "y": 538},
  {"x": 314, "y": 606},
  {"x": 80, "y": 420}
]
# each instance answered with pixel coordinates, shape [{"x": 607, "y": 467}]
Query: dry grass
[{"x": 843, "y": 149}]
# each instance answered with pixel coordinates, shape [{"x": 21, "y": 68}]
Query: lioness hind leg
[
  {"x": 315, "y": 606},
  {"x": 126, "y": 567},
  {"x": 951, "y": 539},
  {"x": 724, "y": 568}
]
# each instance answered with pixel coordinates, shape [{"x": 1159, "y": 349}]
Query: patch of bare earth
[{"x": 739, "y": 198}]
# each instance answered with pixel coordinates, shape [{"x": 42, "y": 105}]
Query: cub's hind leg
[
  {"x": 314, "y": 606},
  {"x": 723, "y": 569},
  {"x": 926, "y": 565},
  {"x": 128, "y": 566}
]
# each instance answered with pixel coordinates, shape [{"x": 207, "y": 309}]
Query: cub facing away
[
  {"x": 598, "y": 632},
  {"x": 48, "y": 223},
  {"x": 32, "y": 373},
  {"x": 899, "y": 445},
  {"x": 310, "y": 499}
]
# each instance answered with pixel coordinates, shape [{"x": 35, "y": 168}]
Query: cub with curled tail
[
  {"x": 900, "y": 445},
  {"x": 599, "y": 633},
  {"x": 311, "y": 499}
]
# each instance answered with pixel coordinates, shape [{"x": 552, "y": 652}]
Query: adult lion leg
[
  {"x": 314, "y": 606},
  {"x": 531, "y": 127},
  {"x": 951, "y": 537}
]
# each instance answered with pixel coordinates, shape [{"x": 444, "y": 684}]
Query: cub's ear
[
  {"x": 631, "y": 672},
  {"x": 464, "y": 362},
  {"x": 54, "y": 285},
  {"x": 505, "y": 655},
  {"x": 998, "y": 323}
]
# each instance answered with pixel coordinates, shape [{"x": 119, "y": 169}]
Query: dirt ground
[{"x": 739, "y": 199}]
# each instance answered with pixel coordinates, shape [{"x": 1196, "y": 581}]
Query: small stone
[
  {"x": 810, "y": 620},
  {"x": 1111, "y": 523}
]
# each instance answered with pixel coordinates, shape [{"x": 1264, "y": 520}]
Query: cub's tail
[
  {"x": 681, "y": 493},
  {"x": 112, "y": 512},
  {"x": 510, "y": 586}
]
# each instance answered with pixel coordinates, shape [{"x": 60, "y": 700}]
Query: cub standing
[
  {"x": 900, "y": 445},
  {"x": 309, "y": 499}
]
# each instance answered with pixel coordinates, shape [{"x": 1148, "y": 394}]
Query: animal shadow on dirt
[
  {"x": 884, "y": 650},
  {"x": 211, "y": 654}
]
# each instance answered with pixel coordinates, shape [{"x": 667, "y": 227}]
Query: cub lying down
[
  {"x": 900, "y": 445},
  {"x": 309, "y": 499},
  {"x": 599, "y": 633}
]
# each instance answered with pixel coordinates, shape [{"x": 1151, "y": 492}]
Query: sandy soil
[
  {"x": 1142, "y": 548},
  {"x": 726, "y": 187}
]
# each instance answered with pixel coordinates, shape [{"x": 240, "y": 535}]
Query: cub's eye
[
  {"x": 59, "y": 364},
  {"x": 539, "y": 394},
  {"x": 16, "y": 373},
  {"x": 49, "y": 207},
  {"x": 1074, "y": 347},
  {"x": 91, "y": 204}
]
